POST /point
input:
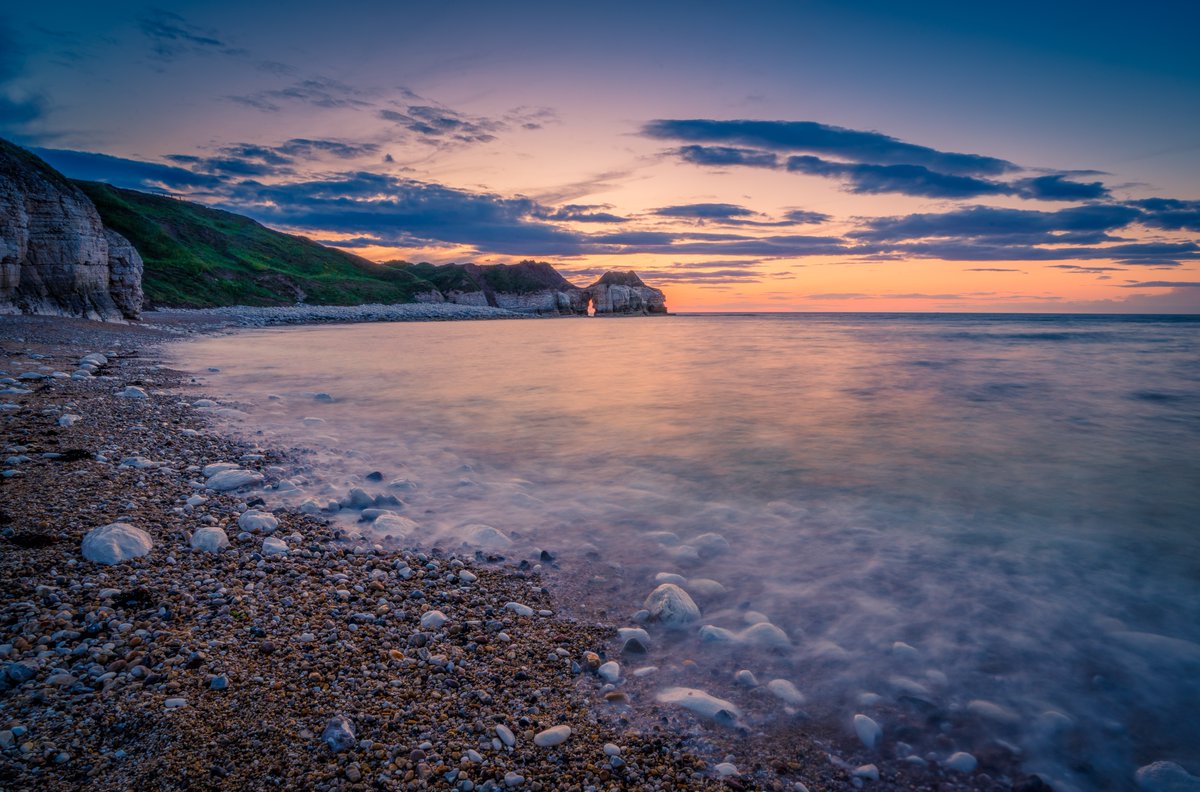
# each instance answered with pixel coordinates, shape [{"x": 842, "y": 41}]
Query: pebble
[
  {"x": 555, "y": 735},
  {"x": 175, "y": 703},
  {"x": 745, "y": 678},
  {"x": 505, "y": 734},
  {"x": 219, "y": 682},
  {"x": 339, "y": 734},
  {"x": 433, "y": 620},
  {"x": 272, "y": 546},
  {"x": 133, "y": 392},
  {"x": 725, "y": 770},
  {"x": 867, "y": 772},
  {"x": 519, "y": 609},
  {"x": 610, "y": 671}
]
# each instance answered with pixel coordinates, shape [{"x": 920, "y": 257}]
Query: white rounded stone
[
  {"x": 115, "y": 543},
  {"x": 555, "y": 735}
]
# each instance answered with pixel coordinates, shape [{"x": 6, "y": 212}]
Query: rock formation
[
  {"x": 529, "y": 287},
  {"x": 624, "y": 293},
  {"x": 56, "y": 256}
]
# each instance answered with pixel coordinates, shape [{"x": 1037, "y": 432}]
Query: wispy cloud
[
  {"x": 171, "y": 35},
  {"x": 321, "y": 92}
]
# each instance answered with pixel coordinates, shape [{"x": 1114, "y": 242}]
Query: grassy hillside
[{"x": 199, "y": 257}]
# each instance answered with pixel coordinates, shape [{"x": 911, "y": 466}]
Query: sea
[{"x": 981, "y": 530}]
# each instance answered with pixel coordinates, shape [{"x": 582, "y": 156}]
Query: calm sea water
[{"x": 1017, "y": 498}]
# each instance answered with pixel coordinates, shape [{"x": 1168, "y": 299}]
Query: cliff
[
  {"x": 624, "y": 293},
  {"x": 56, "y": 256}
]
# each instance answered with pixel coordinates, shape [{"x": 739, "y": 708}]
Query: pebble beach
[{"x": 160, "y": 628}]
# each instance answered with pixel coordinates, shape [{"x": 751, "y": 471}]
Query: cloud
[
  {"x": 121, "y": 172},
  {"x": 809, "y": 136},
  {"x": 726, "y": 155},
  {"x": 710, "y": 276},
  {"x": 1077, "y": 224},
  {"x": 704, "y": 211},
  {"x": 1057, "y": 187},
  {"x": 436, "y": 124},
  {"x": 583, "y": 213},
  {"x": 1082, "y": 269},
  {"x": 322, "y": 92},
  {"x": 1170, "y": 214},
  {"x": 993, "y": 269},
  {"x": 805, "y": 217},
  {"x": 1162, "y": 285},
  {"x": 906, "y": 179},
  {"x": 171, "y": 36}
]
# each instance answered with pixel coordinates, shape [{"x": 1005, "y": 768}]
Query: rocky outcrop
[
  {"x": 56, "y": 256},
  {"x": 528, "y": 287},
  {"x": 624, "y": 294}
]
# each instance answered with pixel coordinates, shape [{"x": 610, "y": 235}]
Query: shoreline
[{"x": 199, "y": 614}]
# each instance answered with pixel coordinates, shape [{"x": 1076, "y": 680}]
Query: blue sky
[{"x": 757, "y": 155}]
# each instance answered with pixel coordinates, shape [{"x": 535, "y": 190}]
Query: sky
[{"x": 766, "y": 156}]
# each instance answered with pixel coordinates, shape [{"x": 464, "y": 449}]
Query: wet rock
[
  {"x": 701, "y": 703},
  {"x": 671, "y": 606},
  {"x": 229, "y": 480},
  {"x": 961, "y": 762},
  {"x": 868, "y": 731},
  {"x": 786, "y": 692}
]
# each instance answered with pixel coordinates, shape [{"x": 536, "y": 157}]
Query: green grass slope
[{"x": 199, "y": 257}]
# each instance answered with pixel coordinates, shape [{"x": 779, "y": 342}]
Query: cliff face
[
  {"x": 56, "y": 257},
  {"x": 624, "y": 293}
]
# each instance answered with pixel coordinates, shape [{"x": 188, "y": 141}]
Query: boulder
[
  {"x": 671, "y": 606},
  {"x": 115, "y": 543}
]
